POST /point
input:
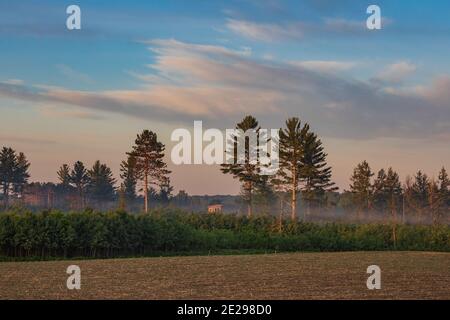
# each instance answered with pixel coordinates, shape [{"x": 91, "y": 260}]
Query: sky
[{"x": 376, "y": 95}]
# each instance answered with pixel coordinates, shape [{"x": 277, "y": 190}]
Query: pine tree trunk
[
  {"x": 146, "y": 192},
  {"x": 294, "y": 194},
  {"x": 250, "y": 200},
  {"x": 280, "y": 222},
  {"x": 80, "y": 193}
]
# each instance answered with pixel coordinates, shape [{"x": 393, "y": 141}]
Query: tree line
[
  {"x": 302, "y": 186},
  {"x": 56, "y": 234},
  {"x": 420, "y": 197}
]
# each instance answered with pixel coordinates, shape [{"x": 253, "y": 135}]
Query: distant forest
[{"x": 302, "y": 190}]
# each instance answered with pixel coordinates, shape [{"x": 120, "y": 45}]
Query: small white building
[{"x": 215, "y": 208}]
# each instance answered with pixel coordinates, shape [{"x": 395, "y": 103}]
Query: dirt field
[{"x": 275, "y": 276}]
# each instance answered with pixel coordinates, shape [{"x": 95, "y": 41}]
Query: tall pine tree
[
  {"x": 361, "y": 187},
  {"x": 13, "y": 173},
  {"x": 444, "y": 193},
  {"x": 315, "y": 174},
  {"x": 79, "y": 179},
  {"x": 129, "y": 177},
  {"x": 420, "y": 190},
  {"x": 101, "y": 183},
  {"x": 150, "y": 165},
  {"x": 291, "y": 153},
  {"x": 243, "y": 167}
]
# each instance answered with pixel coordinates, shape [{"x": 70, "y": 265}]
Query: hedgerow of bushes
[{"x": 90, "y": 234}]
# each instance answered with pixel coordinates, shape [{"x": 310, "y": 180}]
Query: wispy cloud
[
  {"x": 13, "y": 81},
  {"x": 61, "y": 112},
  {"x": 217, "y": 83},
  {"x": 395, "y": 73},
  {"x": 326, "y": 66},
  {"x": 73, "y": 74},
  {"x": 22, "y": 139},
  {"x": 265, "y": 31},
  {"x": 297, "y": 30}
]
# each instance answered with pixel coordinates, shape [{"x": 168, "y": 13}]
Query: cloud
[
  {"x": 190, "y": 82},
  {"x": 345, "y": 25},
  {"x": 396, "y": 73},
  {"x": 438, "y": 92},
  {"x": 13, "y": 81},
  {"x": 61, "y": 112},
  {"x": 265, "y": 31},
  {"x": 325, "y": 66},
  {"x": 28, "y": 140},
  {"x": 73, "y": 74},
  {"x": 295, "y": 31}
]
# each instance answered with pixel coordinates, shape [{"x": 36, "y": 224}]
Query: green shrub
[{"x": 50, "y": 234}]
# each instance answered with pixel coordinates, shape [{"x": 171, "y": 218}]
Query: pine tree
[
  {"x": 165, "y": 191},
  {"x": 291, "y": 153},
  {"x": 361, "y": 187},
  {"x": 64, "y": 175},
  {"x": 393, "y": 192},
  {"x": 444, "y": 193},
  {"x": 434, "y": 203},
  {"x": 420, "y": 194},
  {"x": 182, "y": 198},
  {"x": 129, "y": 178},
  {"x": 122, "y": 198},
  {"x": 264, "y": 195},
  {"x": 244, "y": 169},
  {"x": 7, "y": 163},
  {"x": 101, "y": 182},
  {"x": 79, "y": 179},
  {"x": 21, "y": 174},
  {"x": 380, "y": 198},
  {"x": 13, "y": 172},
  {"x": 315, "y": 174},
  {"x": 150, "y": 165},
  {"x": 408, "y": 197}
]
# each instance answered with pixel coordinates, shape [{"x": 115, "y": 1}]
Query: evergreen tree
[
  {"x": 165, "y": 191},
  {"x": 150, "y": 166},
  {"x": 182, "y": 198},
  {"x": 64, "y": 175},
  {"x": 21, "y": 174},
  {"x": 291, "y": 153},
  {"x": 129, "y": 177},
  {"x": 408, "y": 197},
  {"x": 444, "y": 193},
  {"x": 8, "y": 161},
  {"x": 361, "y": 186},
  {"x": 264, "y": 195},
  {"x": 393, "y": 191},
  {"x": 420, "y": 189},
  {"x": 101, "y": 182},
  {"x": 243, "y": 168},
  {"x": 13, "y": 172},
  {"x": 380, "y": 198},
  {"x": 315, "y": 174},
  {"x": 79, "y": 179},
  {"x": 434, "y": 201}
]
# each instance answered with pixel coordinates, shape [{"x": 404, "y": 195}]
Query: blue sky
[{"x": 376, "y": 95}]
